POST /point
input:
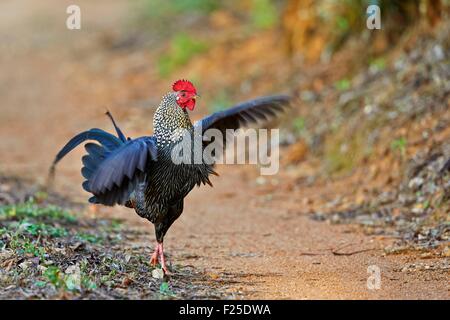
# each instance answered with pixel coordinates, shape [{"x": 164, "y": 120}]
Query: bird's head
[{"x": 186, "y": 94}]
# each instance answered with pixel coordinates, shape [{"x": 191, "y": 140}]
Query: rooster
[{"x": 140, "y": 174}]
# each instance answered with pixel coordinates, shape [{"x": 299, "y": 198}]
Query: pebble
[
  {"x": 157, "y": 273},
  {"x": 438, "y": 52},
  {"x": 75, "y": 269},
  {"x": 41, "y": 268},
  {"x": 415, "y": 183},
  {"x": 261, "y": 181},
  {"x": 25, "y": 265},
  {"x": 446, "y": 252}
]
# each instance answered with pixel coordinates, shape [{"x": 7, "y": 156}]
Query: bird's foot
[
  {"x": 163, "y": 261},
  {"x": 158, "y": 257},
  {"x": 154, "y": 260},
  {"x": 155, "y": 256}
]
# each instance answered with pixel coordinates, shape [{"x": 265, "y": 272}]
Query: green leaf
[
  {"x": 399, "y": 145},
  {"x": 165, "y": 289},
  {"x": 40, "y": 284},
  {"x": 299, "y": 124},
  {"x": 53, "y": 274},
  {"x": 343, "y": 84}
]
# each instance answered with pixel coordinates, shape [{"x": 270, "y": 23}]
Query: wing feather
[
  {"x": 246, "y": 113},
  {"x": 121, "y": 170}
]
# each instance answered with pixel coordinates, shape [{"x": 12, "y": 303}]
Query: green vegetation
[
  {"x": 343, "y": 84},
  {"x": 299, "y": 125},
  {"x": 399, "y": 146},
  {"x": 23, "y": 226},
  {"x": 43, "y": 229},
  {"x": 342, "y": 24},
  {"x": 54, "y": 276},
  {"x": 165, "y": 290},
  {"x": 378, "y": 64},
  {"x": 71, "y": 282},
  {"x": 26, "y": 247},
  {"x": 32, "y": 210},
  {"x": 90, "y": 237},
  {"x": 163, "y": 9},
  {"x": 51, "y": 252},
  {"x": 263, "y": 14},
  {"x": 27, "y": 230},
  {"x": 181, "y": 49}
]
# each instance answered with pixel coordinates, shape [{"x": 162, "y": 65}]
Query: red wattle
[{"x": 190, "y": 104}]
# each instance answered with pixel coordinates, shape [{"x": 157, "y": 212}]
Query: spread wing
[
  {"x": 243, "y": 114},
  {"x": 246, "y": 113},
  {"x": 117, "y": 174}
]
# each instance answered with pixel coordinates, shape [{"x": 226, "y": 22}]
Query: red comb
[{"x": 184, "y": 85}]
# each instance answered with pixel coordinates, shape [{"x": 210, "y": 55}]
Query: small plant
[
  {"x": 54, "y": 276},
  {"x": 399, "y": 146},
  {"x": 91, "y": 238},
  {"x": 343, "y": 84},
  {"x": 108, "y": 279},
  {"x": 342, "y": 24},
  {"x": 87, "y": 283},
  {"x": 299, "y": 125},
  {"x": 116, "y": 225},
  {"x": 165, "y": 290},
  {"x": 40, "y": 196},
  {"x": 23, "y": 246},
  {"x": 378, "y": 64},
  {"x": 44, "y": 229},
  {"x": 71, "y": 282},
  {"x": 31, "y": 248}
]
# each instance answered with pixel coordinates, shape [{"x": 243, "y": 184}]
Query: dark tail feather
[
  {"x": 96, "y": 154},
  {"x": 205, "y": 180},
  {"x": 106, "y": 139},
  {"x": 94, "y": 157},
  {"x": 119, "y": 132}
]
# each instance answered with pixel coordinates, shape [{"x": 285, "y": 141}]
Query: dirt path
[{"x": 55, "y": 83}]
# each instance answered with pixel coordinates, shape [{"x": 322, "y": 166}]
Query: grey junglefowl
[{"x": 139, "y": 173}]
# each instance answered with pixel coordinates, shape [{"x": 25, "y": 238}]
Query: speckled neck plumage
[{"x": 170, "y": 120}]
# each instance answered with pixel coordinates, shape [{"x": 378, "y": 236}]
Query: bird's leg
[
  {"x": 154, "y": 260},
  {"x": 158, "y": 257},
  {"x": 162, "y": 259}
]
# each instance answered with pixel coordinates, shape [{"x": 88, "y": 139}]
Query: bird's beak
[{"x": 196, "y": 96}]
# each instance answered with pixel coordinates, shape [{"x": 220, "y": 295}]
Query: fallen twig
[
  {"x": 336, "y": 253},
  {"x": 311, "y": 254}
]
